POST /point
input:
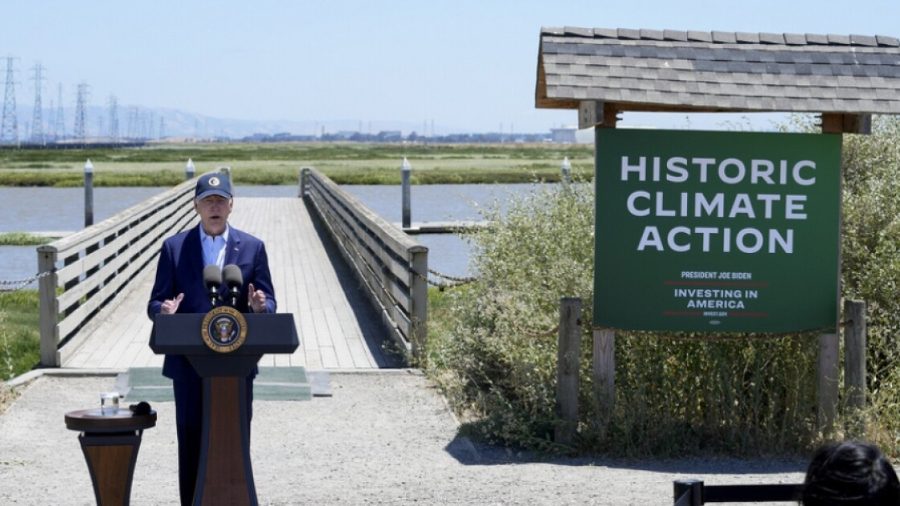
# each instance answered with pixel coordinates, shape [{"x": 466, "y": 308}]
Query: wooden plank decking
[{"x": 337, "y": 326}]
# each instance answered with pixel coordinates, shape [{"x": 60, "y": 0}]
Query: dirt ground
[{"x": 382, "y": 438}]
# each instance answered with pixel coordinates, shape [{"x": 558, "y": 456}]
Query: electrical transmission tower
[
  {"x": 59, "y": 126},
  {"x": 10, "y": 128},
  {"x": 37, "y": 120},
  {"x": 113, "y": 119},
  {"x": 80, "y": 106},
  {"x": 132, "y": 123},
  {"x": 51, "y": 110}
]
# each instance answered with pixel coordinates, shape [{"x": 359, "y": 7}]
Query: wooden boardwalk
[{"x": 338, "y": 327}]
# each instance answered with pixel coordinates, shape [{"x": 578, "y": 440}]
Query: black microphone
[
  {"x": 235, "y": 281},
  {"x": 212, "y": 278}
]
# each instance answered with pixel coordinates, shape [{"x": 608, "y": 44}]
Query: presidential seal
[{"x": 224, "y": 329}]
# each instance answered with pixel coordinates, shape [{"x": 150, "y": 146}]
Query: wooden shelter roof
[{"x": 667, "y": 70}]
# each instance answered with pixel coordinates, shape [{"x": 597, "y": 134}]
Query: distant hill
[{"x": 153, "y": 123}]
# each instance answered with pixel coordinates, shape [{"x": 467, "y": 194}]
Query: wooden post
[
  {"x": 49, "y": 307},
  {"x": 828, "y": 372},
  {"x": 304, "y": 182},
  {"x": 405, "y": 171},
  {"x": 604, "y": 371},
  {"x": 855, "y": 353},
  {"x": 419, "y": 310},
  {"x": 567, "y": 368},
  {"x": 694, "y": 489},
  {"x": 88, "y": 193}
]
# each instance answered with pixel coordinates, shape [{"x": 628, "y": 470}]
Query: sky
[{"x": 460, "y": 65}]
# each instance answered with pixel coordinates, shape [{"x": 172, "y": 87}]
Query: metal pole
[
  {"x": 189, "y": 169},
  {"x": 88, "y": 193},
  {"x": 405, "y": 171}
]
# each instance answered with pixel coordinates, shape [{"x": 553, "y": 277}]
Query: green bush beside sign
[{"x": 716, "y": 231}]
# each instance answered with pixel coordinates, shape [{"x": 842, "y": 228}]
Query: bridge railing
[
  {"x": 80, "y": 274},
  {"x": 392, "y": 266}
]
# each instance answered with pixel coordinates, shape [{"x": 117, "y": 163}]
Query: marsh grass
[
  {"x": 22, "y": 239},
  {"x": 19, "y": 334},
  {"x": 278, "y": 164}
]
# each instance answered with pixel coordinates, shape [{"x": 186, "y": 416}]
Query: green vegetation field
[{"x": 346, "y": 163}]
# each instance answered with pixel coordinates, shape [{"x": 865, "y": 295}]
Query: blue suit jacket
[{"x": 180, "y": 270}]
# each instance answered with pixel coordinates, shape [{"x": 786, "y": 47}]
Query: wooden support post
[
  {"x": 855, "y": 355},
  {"x": 49, "y": 307},
  {"x": 419, "y": 310},
  {"x": 88, "y": 194},
  {"x": 692, "y": 488},
  {"x": 604, "y": 372},
  {"x": 567, "y": 368},
  {"x": 828, "y": 372},
  {"x": 304, "y": 182},
  {"x": 592, "y": 113},
  {"x": 837, "y": 123},
  {"x": 406, "y": 204}
]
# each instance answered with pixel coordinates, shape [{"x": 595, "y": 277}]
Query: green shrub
[
  {"x": 493, "y": 354},
  {"x": 871, "y": 265},
  {"x": 496, "y": 357}
]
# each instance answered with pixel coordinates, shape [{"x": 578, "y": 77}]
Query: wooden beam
[
  {"x": 594, "y": 113},
  {"x": 604, "y": 375},
  {"x": 567, "y": 370},
  {"x": 837, "y": 123},
  {"x": 828, "y": 371}
]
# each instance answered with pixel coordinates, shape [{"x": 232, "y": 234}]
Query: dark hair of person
[{"x": 850, "y": 473}]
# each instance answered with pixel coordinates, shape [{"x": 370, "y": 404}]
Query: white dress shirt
[{"x": 214, "y": 247}]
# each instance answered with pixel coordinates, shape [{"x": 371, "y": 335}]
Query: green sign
[{"x": 716, "y": 231}]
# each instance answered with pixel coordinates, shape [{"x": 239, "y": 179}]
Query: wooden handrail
[
  {"x": 392, "y": 266},
  {"x": 88, "y": 268}
]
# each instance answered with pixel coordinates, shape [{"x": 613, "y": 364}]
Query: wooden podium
[
  {"x": 110, "y": 444},
  {"x": 224, "y": 346}
]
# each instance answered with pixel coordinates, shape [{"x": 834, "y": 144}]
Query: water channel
[{"x": 32, "y": 209}]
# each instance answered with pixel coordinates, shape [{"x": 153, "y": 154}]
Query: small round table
[{"x": 110, "y": 444}]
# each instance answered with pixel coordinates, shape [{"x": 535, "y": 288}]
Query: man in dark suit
[{"x": 180, "y": 288}]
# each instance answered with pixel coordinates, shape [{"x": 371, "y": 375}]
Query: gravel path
[{"x": 383, "y": 438}]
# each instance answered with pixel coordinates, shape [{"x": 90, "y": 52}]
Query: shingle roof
[{"x": 718, "y": 71}]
